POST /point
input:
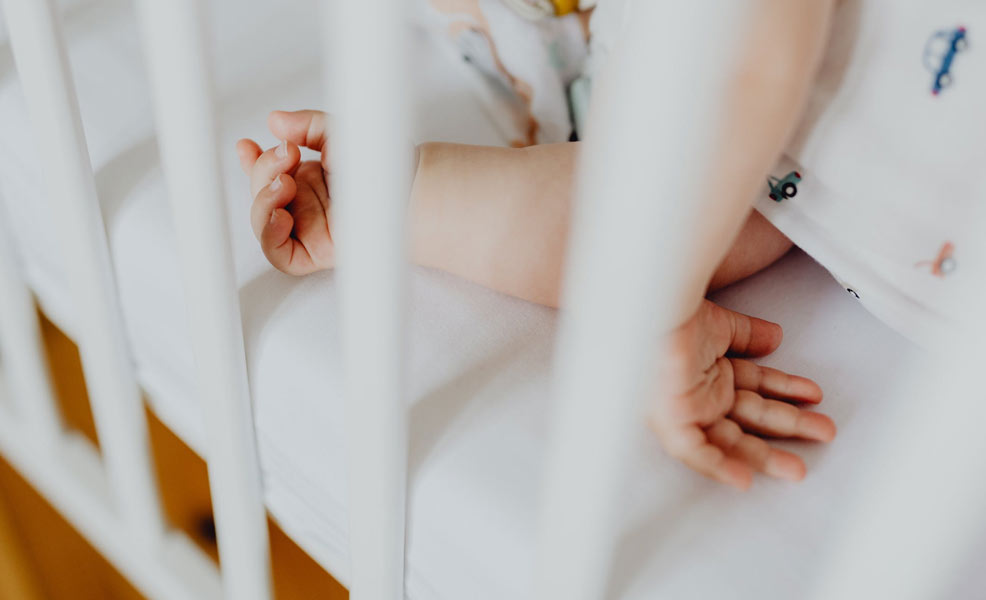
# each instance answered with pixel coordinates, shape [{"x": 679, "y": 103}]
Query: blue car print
[
  {"x": 784, "y": 187},
  {"x": 939, "y": 53}
]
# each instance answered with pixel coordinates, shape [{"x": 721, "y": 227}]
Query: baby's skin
[
  {"x": 714, "y": 409},
  {"x": 291, "y": 214},
  {"x": 500, "y": 217}
]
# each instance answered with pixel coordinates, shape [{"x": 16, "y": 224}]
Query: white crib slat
[
  {"x": 72, "y": 480},
  {"x": 371, "y": 171},
  {"x": 116, "y": 402},
  {"x": 628, "y": 277},
  {"x": 21, "y": 352},
  {"x": 174, "y": 35}
]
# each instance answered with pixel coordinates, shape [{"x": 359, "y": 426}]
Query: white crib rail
[
  {"x": 174, "y": 36},
  {"x": 606, "y": 343},
  {"x": 21, "y": 351},
  {"x": 116, "y": 402},
  {"x": 626, "y": 280},
  {"x": 371, "y": 168}
]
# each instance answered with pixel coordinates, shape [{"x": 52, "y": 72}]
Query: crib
[{"x": 598, "y": 369}]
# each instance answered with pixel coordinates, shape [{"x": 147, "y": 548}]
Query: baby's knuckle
[{"x": 674, "y": 448}]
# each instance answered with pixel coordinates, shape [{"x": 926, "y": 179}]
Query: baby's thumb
[
  {"x": 248, "y": 152},
  {"x": 308, "y": 128}
]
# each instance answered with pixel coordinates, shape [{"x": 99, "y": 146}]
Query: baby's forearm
[
  {"x": 496, "y": 216},
  {"x": 763, "y": 77},
  {"x": 500, "y": 217}
]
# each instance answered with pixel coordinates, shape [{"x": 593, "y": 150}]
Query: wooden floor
[{"x": 42, "y": 556}]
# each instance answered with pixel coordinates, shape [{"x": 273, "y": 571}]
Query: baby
[{"x": 807, "y": 114}]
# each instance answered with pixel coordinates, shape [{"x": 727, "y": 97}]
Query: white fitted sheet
[{"x": 478, "y": 361}]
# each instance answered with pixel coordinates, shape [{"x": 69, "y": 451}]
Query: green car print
[{"x": 785, "y": 187}]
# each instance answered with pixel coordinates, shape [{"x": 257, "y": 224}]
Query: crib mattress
[{"x": 479, "y": 362}]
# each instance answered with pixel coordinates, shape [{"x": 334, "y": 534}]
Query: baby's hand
[
  {"x": 291, "y": 206},
  {"x": 714, "y": 411}
]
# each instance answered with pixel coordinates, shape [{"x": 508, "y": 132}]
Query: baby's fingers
[
  {"x": 690, "y": 445},
  {"x": 283, "y": 158},
  {"x": 248, "y": 152},
  {"x": 273, "y": 226},
  {"x": 751, "y": 336},
  {"x": 756, "y": 452},
  {"x": 283, "y": 251},
  {"x": 779, "y": 419},
  {"x": 308, "y": 128},
  {"x": 278, "y": 194},
  {"x": 772, "y": 383}
]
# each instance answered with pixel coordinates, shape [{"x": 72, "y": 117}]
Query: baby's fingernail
[
  {"x": 273, "y": 217},
  {"x": 276, "y": 185},
  {"x": 282, "y": 150}
]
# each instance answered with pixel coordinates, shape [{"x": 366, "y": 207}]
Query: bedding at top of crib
[{"x": 479, "y": 362}]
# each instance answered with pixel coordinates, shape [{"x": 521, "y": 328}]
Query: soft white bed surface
[{"x": 478, "y": 361}]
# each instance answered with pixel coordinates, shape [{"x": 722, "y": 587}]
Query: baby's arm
[
  {"x": 713, "y": 409},
  {"x": 500, "y": 217},
  {"x": 774, "y": 63},
  {"x": 496, "y": 216}
]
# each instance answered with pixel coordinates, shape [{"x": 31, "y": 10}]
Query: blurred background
[{"x": 42, "y": 556}]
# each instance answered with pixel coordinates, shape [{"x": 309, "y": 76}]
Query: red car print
[{"x": 944, "y": 263}]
